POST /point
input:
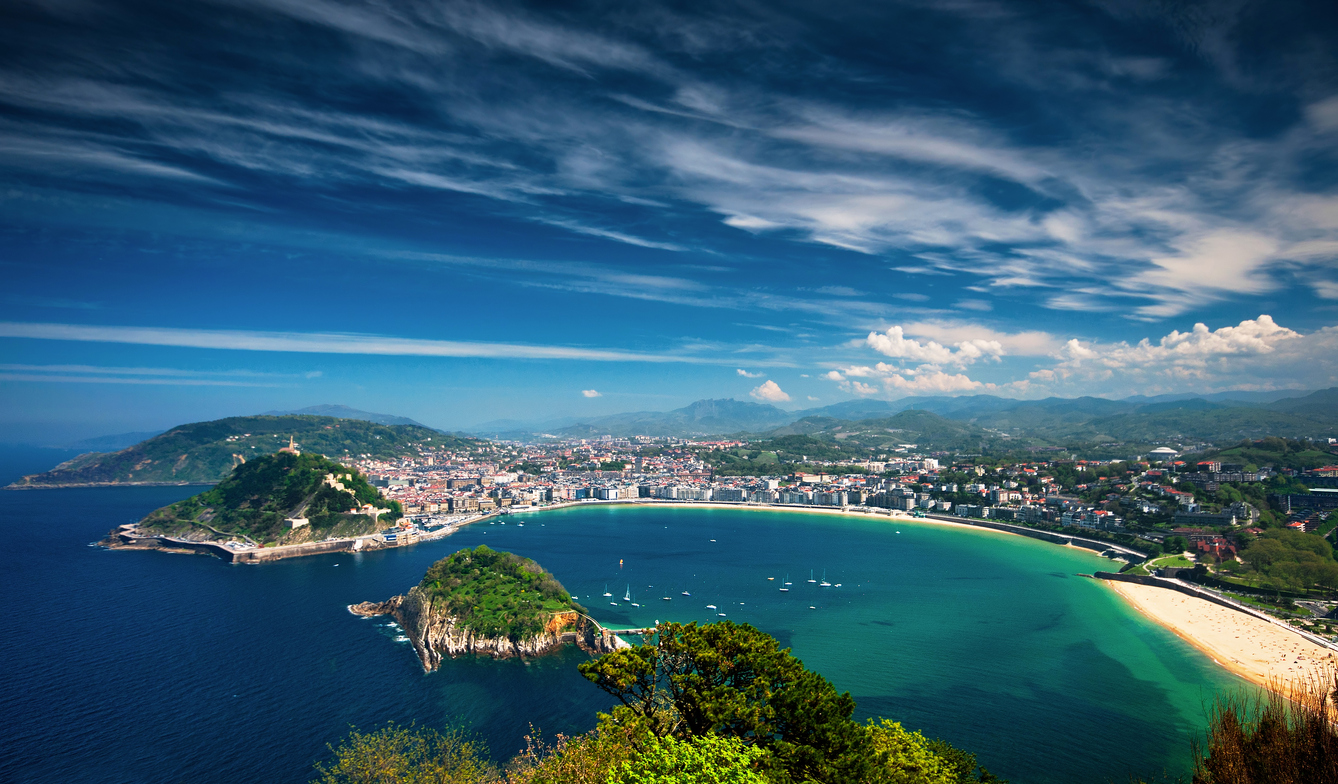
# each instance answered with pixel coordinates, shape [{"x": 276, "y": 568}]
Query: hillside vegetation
[
  {"x": 259, "y": 494},
  {"x": 495, "y": 594},
  {"x": 205, "y": 452}
]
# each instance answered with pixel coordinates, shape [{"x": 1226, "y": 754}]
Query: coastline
[{"x": 1266, "y": 654}]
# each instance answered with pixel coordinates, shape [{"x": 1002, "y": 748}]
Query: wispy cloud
[{"x": 321, "y": 343}]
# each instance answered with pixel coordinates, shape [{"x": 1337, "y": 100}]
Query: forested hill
[
  {"x": 206, "y": 452},
  {"x": 256, "y": 498}
]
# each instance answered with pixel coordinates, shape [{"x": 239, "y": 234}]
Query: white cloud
[
  {"x": 746, "y": 374},
  {"x": 1254, "y": 354},
  {"x": 769, "y": 391},
  {"x": 932, "y": 381},
  {"x": 590, "y": 393},
  {"x": 318, "y": 343},
  {"x": 895, "y": 344}
]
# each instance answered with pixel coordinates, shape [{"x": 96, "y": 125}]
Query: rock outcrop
[{"x": 435, "y": 634}]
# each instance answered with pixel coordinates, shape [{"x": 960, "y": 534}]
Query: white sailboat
[
  {"x": 810, "y": 576},
  {"x": 710, "y": 607},
  {"x": 627, "y": 597},
  {"x": 787, "y": 579},
  {"x": 606, "y": 590},
  {"x": 824, "y": 582}
]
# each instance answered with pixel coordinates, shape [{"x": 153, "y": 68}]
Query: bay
[{"x": 148, "y": 667}]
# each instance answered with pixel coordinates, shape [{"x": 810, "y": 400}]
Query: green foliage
[
  {"x": 909, "y": 758},
  {"x": 204, "y": 452},
  {"x": 258, "y": 495},
  {"x": 402, "y": 755},
  {"x": 495, "y": 593},
  {"x": 734, "y": 681},
  {"x": 613, "y": 465},
  {"x": 706, "y": 759},
  {"x": 1277, "y": 452},
  {"x": 1291, "y": 560}
]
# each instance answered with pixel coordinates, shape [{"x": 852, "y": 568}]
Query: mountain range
[{"x": 1217, "y": 418}]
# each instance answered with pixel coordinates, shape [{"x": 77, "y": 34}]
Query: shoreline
[{"x": 1266, "y": 654}]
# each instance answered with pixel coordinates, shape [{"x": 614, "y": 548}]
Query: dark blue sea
[{"x": 152, "y": 667}]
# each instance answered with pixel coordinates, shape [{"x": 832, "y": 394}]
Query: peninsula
[
  {"x": 491, "y": 603},
  {"x": 277, "y": 500},
  {"x": 206, "y": 452}
]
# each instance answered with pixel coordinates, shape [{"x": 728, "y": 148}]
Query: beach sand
[{"x": 1258, "y": 651}]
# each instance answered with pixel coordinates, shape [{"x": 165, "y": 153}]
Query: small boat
[
  {"x": 606, "y": 590},
  {"x": 810, "y": 576},
  {"x": 522, "y": 525},
  {"x": 615, "y": 604},
  {"x": 627, "y": 597},
  {"x": 785, "y": 590},
  {"x": 771, "y": 578},
  {"x": 811, "y": 607},
  {"x": 634, "y": 604},
  {"x": 711, "y": 607},
  {"x": 666, "y": 598},
  {"x": 787, "y": 580},
  {"x": 824, "y": 582},
  {"x": 722, "y": 615},
  {"x": 838, "y": 585}
]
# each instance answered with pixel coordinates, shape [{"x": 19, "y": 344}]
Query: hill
[
  {"x": 344, "y": 412},
  {"x": 205, "y": 452},
  {"x": 827, "y": 439},
  {"x": 485, "y": 601},
  {"x": 256, "y": 498}
]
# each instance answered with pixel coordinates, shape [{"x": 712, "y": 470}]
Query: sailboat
[
  {"x": 627, "y": 597},
  {"x": 824, "y": 582},
  {"x": 710, "y": 607},
  {"x": 685, "y": 592},
  {"x": 786, "y": 587},
  {"x": 787, "y": 579},
  {"x": 606, "y": 590},
  {"x": 810, "y": 576}
]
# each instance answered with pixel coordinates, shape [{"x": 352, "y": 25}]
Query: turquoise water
[{"x": 147, "y": 667}]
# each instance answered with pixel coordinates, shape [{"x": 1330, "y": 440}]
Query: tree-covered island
[
  {"x": 488, "y": 602},
  {"x": 280, "y": 499}
]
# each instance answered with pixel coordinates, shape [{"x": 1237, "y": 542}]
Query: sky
[{"x": 462, "y": 212}]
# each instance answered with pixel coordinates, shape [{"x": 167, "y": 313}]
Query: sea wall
[
  {"x": 1157, "y": 582},
  {"x": 263, "y": 554},
  {"x": 1048, "y": 536}
]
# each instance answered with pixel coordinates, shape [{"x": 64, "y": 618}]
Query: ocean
[{"x": 150, "y": 667}]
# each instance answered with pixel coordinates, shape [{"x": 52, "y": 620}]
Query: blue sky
[{"x": 464, "y": 211}]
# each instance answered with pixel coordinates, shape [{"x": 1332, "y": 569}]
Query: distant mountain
[
  {"x": 113, "y": 443},
  {"x": 1218, "y": 417},
  {"x": 206, "y": 452},
  {"x": 344, "y": 412},
  {"x": 704, "y": 417},
  {"x": 1321, "y": 403}
]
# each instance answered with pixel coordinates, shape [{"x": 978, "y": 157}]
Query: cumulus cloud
[
  {"x": 932, "y": 381},
  {"x": 1254, "y": 354},
  {"x": 769, "y": 391},
  {"x": 591, "y": 393},
  {"x": 746, "y": 374},
  {"x": 895, "y": 344},
  {"x": 1195, "y": 348}
]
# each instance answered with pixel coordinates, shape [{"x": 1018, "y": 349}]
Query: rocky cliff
[{"x": 435, "y": 634}]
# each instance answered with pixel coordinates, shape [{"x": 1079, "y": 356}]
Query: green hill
[
  {"x": 495, "y": 594},
  {"x": 205, "y": 452},
  {"x": 255, "y": 499}
]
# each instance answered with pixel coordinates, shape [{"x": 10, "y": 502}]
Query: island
[
  {"x": 490, "y": 603},
  {"x": 278, "y": 505}
]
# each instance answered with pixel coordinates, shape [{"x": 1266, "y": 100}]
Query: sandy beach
[{"x": 1261, "y": 652}]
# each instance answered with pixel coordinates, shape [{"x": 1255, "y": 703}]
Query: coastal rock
[{"x": 435, "y": 634}]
